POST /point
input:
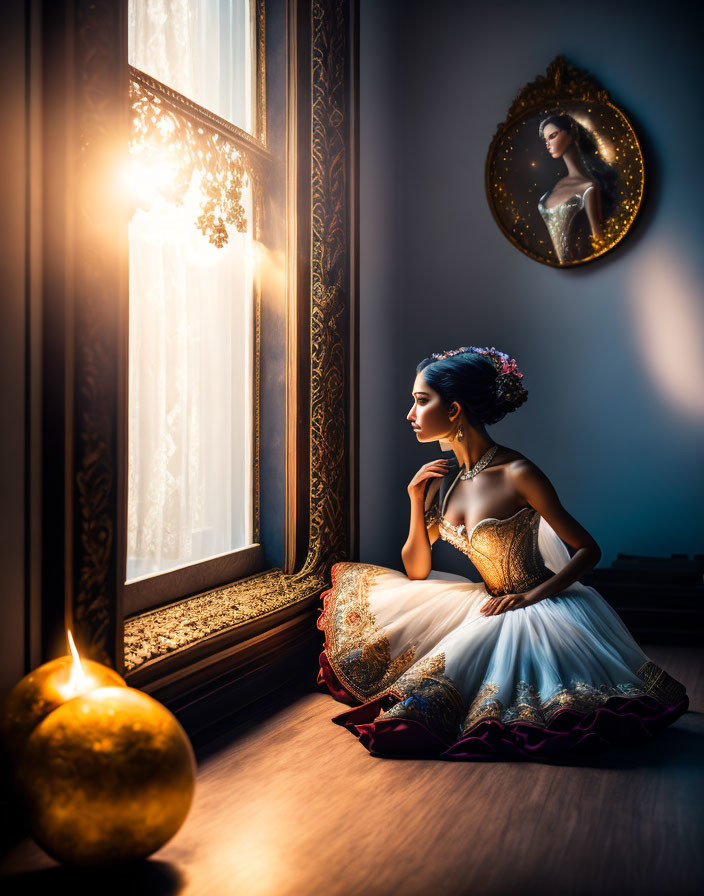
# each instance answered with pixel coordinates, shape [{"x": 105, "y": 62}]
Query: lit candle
[
  {"x": 103, "y": 772},
  {"x": 45, "y": 689}
]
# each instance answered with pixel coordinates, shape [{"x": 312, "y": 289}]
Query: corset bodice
[
  {"x": 558, "y": 221},
  {"x": 504, "y": 552}
]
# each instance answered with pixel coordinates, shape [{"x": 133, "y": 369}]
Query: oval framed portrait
[{"x": 564, "y": 173}]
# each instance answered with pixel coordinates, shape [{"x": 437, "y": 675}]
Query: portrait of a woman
[
  {"x": 528, "y": 663},
  {"x": 588, "y": 187}
]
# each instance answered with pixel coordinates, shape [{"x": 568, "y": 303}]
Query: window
[
  {"x": 192, "y": 291},
  {"x": 204, "y": 49},
  {"x": 302, "y": 332}
]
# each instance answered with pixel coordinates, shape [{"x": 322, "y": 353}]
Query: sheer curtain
[
  {"x": 190, "y": 364},
  {"x": 201, "y": 48}
]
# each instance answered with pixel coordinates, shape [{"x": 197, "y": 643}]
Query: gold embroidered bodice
[{"x": 505, "y": 552}]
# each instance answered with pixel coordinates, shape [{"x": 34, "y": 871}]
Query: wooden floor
[{"x": 288, "y": 803}]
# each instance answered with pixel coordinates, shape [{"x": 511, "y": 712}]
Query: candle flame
[{"x": 77, "y": 682}]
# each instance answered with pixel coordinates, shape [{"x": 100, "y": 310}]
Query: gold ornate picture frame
[{"x": 564, "y": 172}]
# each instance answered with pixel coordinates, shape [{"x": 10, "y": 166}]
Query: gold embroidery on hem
[
  {"x": 357, "y": 651},
  {"x": 528, "y": 705},
  {"x": 425, "y": 694}
]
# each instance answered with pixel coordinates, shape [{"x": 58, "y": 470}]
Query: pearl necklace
[{"x": 483, "y": 461}]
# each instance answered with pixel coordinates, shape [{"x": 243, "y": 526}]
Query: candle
[
  {"x": 107, "y": 777},
  {"x": 46, "y": 688},
  {"x": 103, "y": 772}
]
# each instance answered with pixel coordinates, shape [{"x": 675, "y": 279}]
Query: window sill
[
  {"x": 152, "y": 593},
  {"x": 171, "y": 637},
  {"x": 209, "y": 656}
]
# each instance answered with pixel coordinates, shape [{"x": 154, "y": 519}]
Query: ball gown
[{"x": 426, "y": 674}]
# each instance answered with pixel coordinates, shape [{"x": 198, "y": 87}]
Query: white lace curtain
[
  {"x": 190, "y": 340},
  {"x": 201, "y": 48}
]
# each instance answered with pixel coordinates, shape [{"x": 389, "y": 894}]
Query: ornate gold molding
[
  {"x": 329, "y": 278},
  {"x": 260, "y": 42},
  {"x": 255, "y": 151},
  {"x": 560, "y": 82},
  {"x": 185, "y": 623},
  {"x": 256, "y": 404}
]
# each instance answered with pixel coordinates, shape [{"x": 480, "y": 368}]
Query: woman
[
  {"x": 527, "y": 664},
  {"x": 589, "y": 185}
]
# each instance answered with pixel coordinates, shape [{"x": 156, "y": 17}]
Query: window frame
[{"x": 81, "y": 402}]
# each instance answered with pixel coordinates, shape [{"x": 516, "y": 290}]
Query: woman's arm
[
  {"x": 537, "y": 490},
  {"x": 416, "y": 551}
]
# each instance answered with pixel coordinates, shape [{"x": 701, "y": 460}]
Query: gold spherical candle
[
  {"x": 106, "y": 777},
  {"x": 45, "y": 689}
]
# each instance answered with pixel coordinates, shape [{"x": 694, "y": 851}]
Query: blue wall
[{"x": 613, "y": 352}]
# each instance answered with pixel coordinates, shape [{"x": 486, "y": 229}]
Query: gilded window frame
[{"x": 83, "y": 404}]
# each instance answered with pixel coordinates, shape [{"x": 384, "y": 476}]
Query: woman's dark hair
[
  {"x": 595, "y": 167},
  {"x": 476, "y": 383}
]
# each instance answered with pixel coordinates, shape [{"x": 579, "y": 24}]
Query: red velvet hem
[
  {"x": 328, "y": 678},
  {"x": 568, "y": 734}
]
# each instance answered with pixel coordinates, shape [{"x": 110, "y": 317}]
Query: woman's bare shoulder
[
  {"x": 519, "y": 467},
  {"x": 508, "y": 456},
  {"x": 528, "y": 478}
]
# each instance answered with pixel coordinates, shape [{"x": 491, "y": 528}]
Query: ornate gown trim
[
  {"x": 559, "y": 220},
  {"x": 425, "y": 694},
  {"x": 527, "y": 705},
  {"x": 356, "y": 649}
]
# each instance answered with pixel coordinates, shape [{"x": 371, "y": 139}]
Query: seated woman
[{"x": 527, "y": 664}]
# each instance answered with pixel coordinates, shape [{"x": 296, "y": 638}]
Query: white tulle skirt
[{"x": 431, "y": 675}]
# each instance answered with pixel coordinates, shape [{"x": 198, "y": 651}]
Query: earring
[{"x": 460, "y": 434}]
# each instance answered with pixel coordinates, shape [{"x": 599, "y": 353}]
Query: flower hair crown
[{"x": 500, "y": 360}]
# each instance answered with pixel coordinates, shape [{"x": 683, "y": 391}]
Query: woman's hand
[
  {"x": 428, "y": 471},
  {"x": 496, "y": 605}
]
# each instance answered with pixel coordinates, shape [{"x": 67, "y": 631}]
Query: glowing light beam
[{"x": 667, "y": 312}]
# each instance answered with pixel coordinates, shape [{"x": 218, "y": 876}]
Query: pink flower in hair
[{"x": 500, "y": 360}]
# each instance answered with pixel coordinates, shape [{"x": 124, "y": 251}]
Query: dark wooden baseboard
[
  {"x": 660, "y": 599},
  {"x": 204, "y": 687}
]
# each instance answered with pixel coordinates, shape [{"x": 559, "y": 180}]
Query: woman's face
[
  {"x": 428, "y": 415},
  {"x": 556, "y": 140}
]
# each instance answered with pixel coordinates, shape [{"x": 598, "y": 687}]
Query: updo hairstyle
[{"x": 481, "y": 384}]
